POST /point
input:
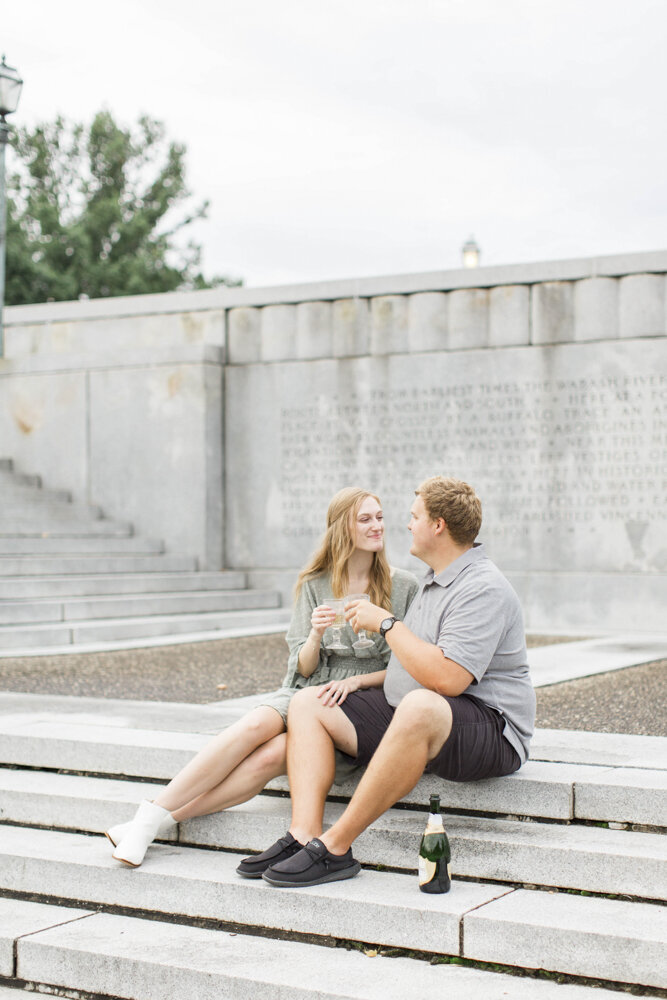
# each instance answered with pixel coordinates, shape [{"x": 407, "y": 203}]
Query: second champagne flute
[{"x": 363, "y": 642}]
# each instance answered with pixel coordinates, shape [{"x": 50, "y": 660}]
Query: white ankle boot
[
  {"x": 116, "y": 833},
  {"x": 141, "y": 832}
]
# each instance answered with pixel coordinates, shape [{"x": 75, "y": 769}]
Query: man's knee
[{"x": 426, "y": 713}]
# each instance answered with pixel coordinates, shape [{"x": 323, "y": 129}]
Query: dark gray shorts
[{"x": 476, "y": 747}]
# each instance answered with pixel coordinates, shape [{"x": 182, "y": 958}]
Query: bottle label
[{"x": 427, "y": 870}]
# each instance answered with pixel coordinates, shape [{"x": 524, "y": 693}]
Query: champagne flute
[
  {"x": 337, "y": 605},
  {"x": 363, "y": 642}
]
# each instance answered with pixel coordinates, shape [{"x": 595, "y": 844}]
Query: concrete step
[
  {"x": 44, "y": 544},
  {"x": 605, "y": 938},
  {"x": 15, "y": 612},
  {"x": 109, "y": 955},
  {"x": 90, "y": 742},
  {"x": 72, "y": 528},
  {"x": 562, "y": 932},
  {"x": 22, "y": 492},
  {"x": 10, "y": 478},
  {"x": 546, "y": 854},
  {"x": 47, "y": 509},
  {"x": 109, "y": 630},
  {"x": 98, "y": 564},
  {"x": 381, "y": 907},
  {"x": 600, "y": 749},
  {"x": 95, "y": 584}
]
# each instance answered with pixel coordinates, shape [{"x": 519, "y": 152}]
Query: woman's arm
[
  {"x": 304, "y": 636},
  {"x": 309, "y": 654}
]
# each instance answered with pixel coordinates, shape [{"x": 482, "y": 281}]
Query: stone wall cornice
[{"x": 220, "y": 299}]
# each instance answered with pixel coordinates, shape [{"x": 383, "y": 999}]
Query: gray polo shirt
[{"x": 472, "y": 613}]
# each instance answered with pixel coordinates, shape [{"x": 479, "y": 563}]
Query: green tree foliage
[{"x": 99, "y": 212}]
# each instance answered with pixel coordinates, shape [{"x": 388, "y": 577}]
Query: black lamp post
[{"x": 10, "y": 91}]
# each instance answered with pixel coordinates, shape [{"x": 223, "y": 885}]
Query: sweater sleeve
[{"x": 298, "y": 632}]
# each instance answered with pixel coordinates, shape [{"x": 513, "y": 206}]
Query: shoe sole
[
  {"x": 267, "y": 864},
  {"x": 110, "y": 838},
  {"x": 337, "y": 876},
  {"x": 124, "y": 861},
  {"x": 249, "y": 874}
]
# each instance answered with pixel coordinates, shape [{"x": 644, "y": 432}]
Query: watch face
[{"x": 386, "y": 625}]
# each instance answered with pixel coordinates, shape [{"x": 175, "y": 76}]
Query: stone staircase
[
  {"x": 560, "y": 868},
  {"x": 69, "y": 576}
]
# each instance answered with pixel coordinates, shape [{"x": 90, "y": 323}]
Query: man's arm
[{"x": 423, "y": 660}]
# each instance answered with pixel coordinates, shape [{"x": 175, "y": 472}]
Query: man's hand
[{"x": 363, "y": 614}]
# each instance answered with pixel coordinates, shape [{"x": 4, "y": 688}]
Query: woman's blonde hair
[{"x": 337, "y": 546}]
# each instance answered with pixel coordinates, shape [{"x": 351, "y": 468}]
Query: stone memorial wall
[
  {"x": 234, "y": 415},
  {"x": 572, "y": 467}
]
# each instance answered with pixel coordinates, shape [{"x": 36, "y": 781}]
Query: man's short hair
[{"x": 455, "y": 502}]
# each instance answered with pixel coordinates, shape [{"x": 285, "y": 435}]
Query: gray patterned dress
[{"x": 339, "y": 663}]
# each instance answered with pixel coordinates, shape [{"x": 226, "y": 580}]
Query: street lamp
[
  {"x": 10, "y": 91},
  {"x": 471, "y": 253}
]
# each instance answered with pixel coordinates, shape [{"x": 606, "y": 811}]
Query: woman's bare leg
[
  {"x": 245, "y": 781},
  {"x": 216, "y": 761}
]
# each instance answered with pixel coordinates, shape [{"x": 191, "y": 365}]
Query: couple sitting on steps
[{"x": 445, "y": 688}]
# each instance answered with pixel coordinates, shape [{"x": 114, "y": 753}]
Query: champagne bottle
[{"x": 434, "y": 853}]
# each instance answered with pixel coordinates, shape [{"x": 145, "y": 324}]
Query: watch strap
[{"x": 386, "y": 625}]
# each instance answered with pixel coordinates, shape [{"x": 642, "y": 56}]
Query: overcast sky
[{"x": 366, "y": 137}]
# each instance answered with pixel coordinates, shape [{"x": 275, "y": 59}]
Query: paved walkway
[{"x": 613, "y": 684}]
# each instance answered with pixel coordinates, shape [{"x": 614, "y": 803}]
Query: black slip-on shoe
[
  {"x": 313, "y": 865},
  {"x": 256, "y": 864}
]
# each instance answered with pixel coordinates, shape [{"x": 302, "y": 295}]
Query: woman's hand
[
  {"x": 322, "y": 617},
  {"x": 335, "y": 692},
  {"x": 363, "y": 614}
]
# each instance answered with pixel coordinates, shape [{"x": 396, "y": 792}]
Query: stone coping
[{"x": 616, "y": 265}]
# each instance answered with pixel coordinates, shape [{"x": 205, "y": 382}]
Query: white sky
[{"x": 359, "y": 137}]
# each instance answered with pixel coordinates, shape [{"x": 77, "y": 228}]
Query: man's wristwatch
[{"x": 386, "y": 625}]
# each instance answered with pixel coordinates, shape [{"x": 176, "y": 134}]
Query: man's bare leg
[
  {"x": 420, "y": 726},
  {"x": 313, "y": 733}
]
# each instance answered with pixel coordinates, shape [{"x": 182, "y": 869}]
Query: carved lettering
[{"x": 552, "y": 452}]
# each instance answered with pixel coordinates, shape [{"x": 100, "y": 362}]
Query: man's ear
[{"x": 440, "y": 525}]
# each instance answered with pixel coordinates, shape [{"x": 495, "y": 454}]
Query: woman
[{"x": 239, "y": 762}]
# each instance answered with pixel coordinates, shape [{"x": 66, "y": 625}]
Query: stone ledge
[
  {"x": 125, "y": 957},
  {"x": 383, "y": 907},
  {"x": 623, "y": 942},
  {"x": 19, "y": 918},
  {"x": 600, "y": 749},
  {"x": 616, "y": 265},
  {"x": 558, "y": 855},
  {"x": 538, "y": 789}
]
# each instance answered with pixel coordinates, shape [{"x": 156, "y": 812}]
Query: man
[{"x": 457, "y": 699}]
